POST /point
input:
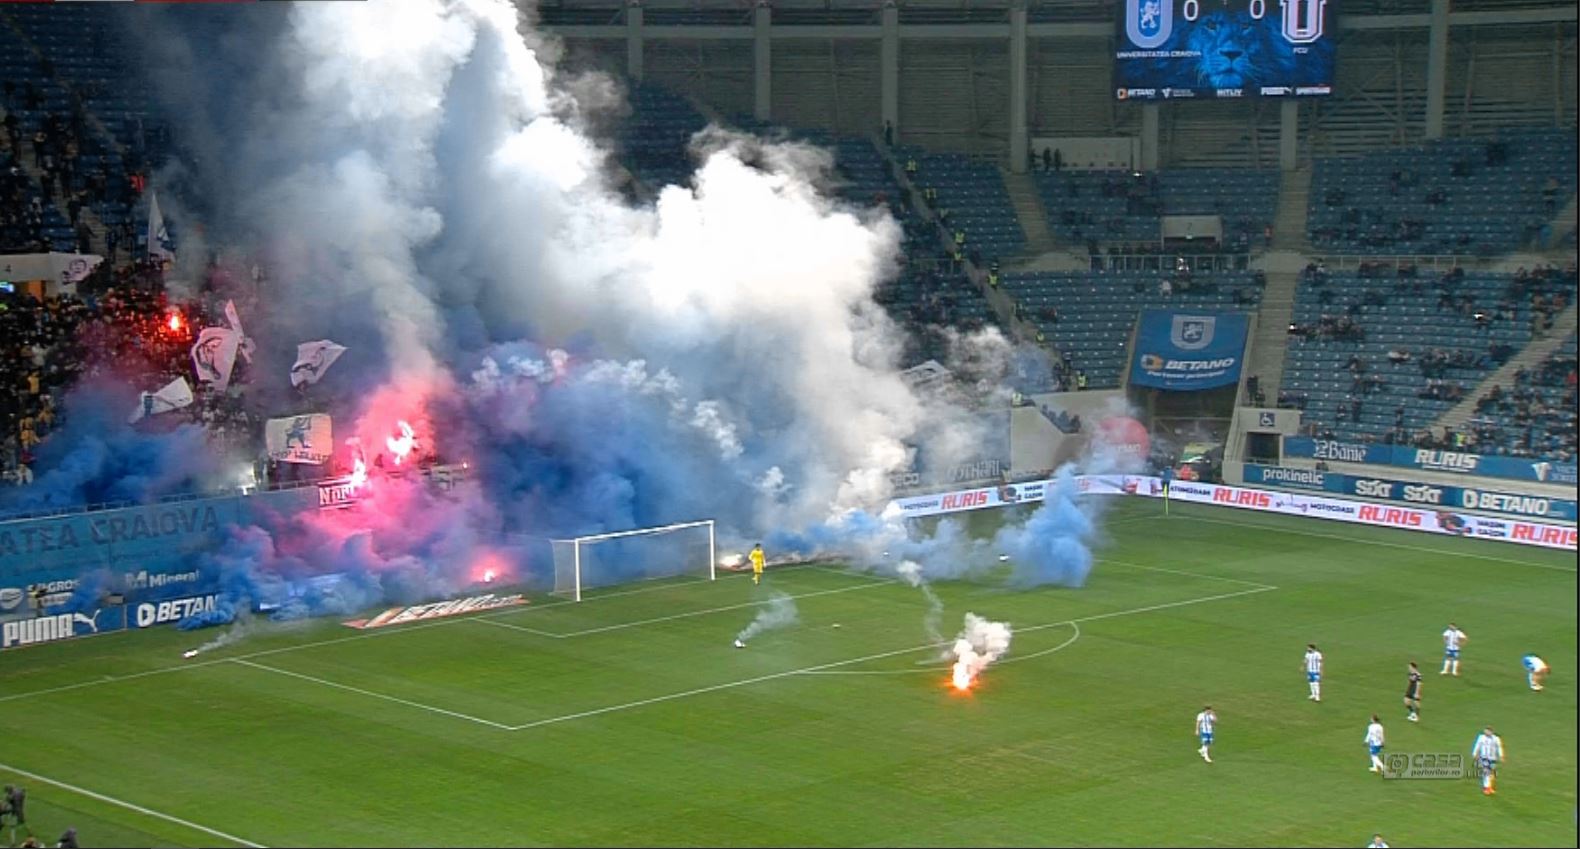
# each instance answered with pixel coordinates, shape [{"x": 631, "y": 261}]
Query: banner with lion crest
[{"x": 300, "y": 439}]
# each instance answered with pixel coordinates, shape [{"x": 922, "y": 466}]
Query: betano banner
[
  {"x": 1188, "y": 351},
  {"x": 1431, "y": 460}
]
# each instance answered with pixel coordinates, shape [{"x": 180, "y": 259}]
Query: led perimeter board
[{"x": 1181, "y": 49}]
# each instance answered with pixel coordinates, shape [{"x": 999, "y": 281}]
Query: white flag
[
  {"x": 300, "y": 439},
  {"x": 75, "y": 268},
  {"x": 234, "y": 320},
  {"x": 214, "y": 355},
  {"x": 313, "y": 359},
  {"x": 175, "y": 395},
  {"x": 159, "y": 244}
]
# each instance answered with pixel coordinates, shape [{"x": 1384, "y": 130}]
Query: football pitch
[{"x": 629, "y": 719}]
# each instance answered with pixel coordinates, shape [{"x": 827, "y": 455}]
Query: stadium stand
[
  {"x": 1089, "y": 316},
  {"x": 1380, "y": 352},
  {"x": 1119, "y": 206},
  {"x": 971, "y": 200},
  {"x": 1535, "y": 417},
  {"x": 1454, "y": 196},
  {"x": 655, "y": 138}
]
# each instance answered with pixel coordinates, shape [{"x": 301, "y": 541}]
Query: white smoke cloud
[
  {"x": 911, "y": 571},
  {"x": 779, "y": 612},
  {"x": 981, "y": 642}
]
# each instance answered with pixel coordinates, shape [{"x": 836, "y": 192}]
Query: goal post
[{"x": 601, "y": 560}]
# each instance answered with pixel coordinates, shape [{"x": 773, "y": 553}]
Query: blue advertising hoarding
[
  {"x": 1184, "y": 49},
  {"x": 1415, "y": 493},
  {"x": 1188, "y": 351},
  {"x": 147, "y": 553},
  {"x": 1431, "y": 460}
]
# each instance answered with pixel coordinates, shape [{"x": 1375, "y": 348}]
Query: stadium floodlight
[{"x": 601, "y": 560}]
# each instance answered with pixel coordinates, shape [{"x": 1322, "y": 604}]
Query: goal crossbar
[{"x": 577, "y": 543}]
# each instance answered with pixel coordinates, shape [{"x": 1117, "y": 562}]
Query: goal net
[{"x": 603, "y": 560}]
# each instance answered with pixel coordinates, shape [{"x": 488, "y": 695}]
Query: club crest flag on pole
[
  {"x": 173, "y": 396},
  {"x": 300, "y": 439},
  {"x": 159, "y": 245},
  {"x": 245, "y": 345},
  {"x": 214, "y": 355},
  {"x": 313, "y": 359}
]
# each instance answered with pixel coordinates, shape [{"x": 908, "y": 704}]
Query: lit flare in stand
[
  {"x": 359, "y": 474},
  {"x": 175, "y": 322},
  {"x": 402, "y": 445}
]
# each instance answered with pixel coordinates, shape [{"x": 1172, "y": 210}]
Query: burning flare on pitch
[
  {"x": 402, "y": 445},
  {"x": 981, "y": 642}
]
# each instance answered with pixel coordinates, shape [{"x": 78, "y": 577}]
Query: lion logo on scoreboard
[{"x": 1234, "y": 50}]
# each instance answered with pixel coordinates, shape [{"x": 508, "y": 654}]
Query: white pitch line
[
  {"x": 364, "y": 635},
  {"x": 121, "y": 803},
  {"x": 359, "y": 691},
  {"x": 1443, "y": 551},
  {"x": 880, "y": 655},
  {"x": 483, "y": 620},
  {"x": 693, "y": 613},
  {"x": 1183, "y": 572}
]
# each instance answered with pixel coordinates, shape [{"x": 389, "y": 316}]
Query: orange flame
[
  {"x": 175, "y": 322},
  {"x": 962, "y": 676},
  {"x": 359, "y": 474},
  {"x": 402, "y": 445}
]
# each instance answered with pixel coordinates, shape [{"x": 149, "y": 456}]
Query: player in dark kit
[
  {"x": 15, "y": 803},
  {"x": 1412, "y": 694}
]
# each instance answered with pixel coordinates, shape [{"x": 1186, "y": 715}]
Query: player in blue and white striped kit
[
  {"x": 1374, "y": 743},
  {"x": 1313, "y": 667},
  {"x": 1204, "y": 725},
  {"x": 1453, "y": 639},
  {"x": 1487, "y": 752}
]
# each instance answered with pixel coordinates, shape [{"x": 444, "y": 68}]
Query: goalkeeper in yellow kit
[{"x": 757, "y": 563}]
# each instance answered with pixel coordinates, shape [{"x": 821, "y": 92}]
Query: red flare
[
  {"x": 175, "y": 322},
  {"x": 359, "y": 474}
]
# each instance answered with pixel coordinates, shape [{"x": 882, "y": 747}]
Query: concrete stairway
[
  {"x": 1272, "y": 323},
  {"x": 1029, "y": 209},
  {"x": 1294, "y": 198},
  {"x": 1564, "y": 222},
  {"x": 1528, "y": 357}
]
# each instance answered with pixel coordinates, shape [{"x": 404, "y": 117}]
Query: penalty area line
[
  {"x": 121, "y": 803},
  {"x": 369, "y": 693}
]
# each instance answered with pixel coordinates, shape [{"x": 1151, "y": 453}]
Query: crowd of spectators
[
  {"x": 121, "y": 324},
  {"x": 1533, "y": 418}
]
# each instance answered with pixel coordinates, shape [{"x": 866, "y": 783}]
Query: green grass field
[{"x": 629, "y": 718}]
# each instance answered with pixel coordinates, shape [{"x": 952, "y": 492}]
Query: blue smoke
[
  {"x": 95, "y": 457},
  {"x": 404, "y": 246},
  {"x": 1053, "y": 546}
]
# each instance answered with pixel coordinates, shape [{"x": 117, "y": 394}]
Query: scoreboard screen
[{"x": 1179, "y": 49}]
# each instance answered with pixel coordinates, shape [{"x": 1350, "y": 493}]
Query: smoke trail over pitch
[{"x": 779, "y": 612}]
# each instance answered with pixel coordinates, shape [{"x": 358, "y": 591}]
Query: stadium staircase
[
  {"x": 1529, "y": 357},
  {"x": 1269, "y": 345},
  {"x": 1563, "y": 226},
  {"x": 1294, "y": 198},
  {"x": 1002, "y": 304},
  {"x": 1027, "y": 200}
]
